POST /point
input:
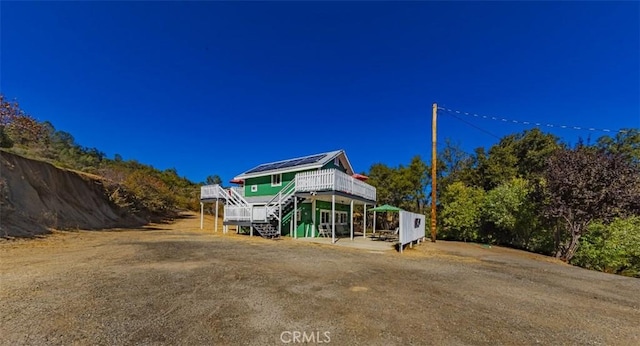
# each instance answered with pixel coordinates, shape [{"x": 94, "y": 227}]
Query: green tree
[
  {"x": 417, "y": 179},
  {"x": 626, "y": 143},
  {"x": 461, "y": 212},
  {"x": 511, "y": 210},
  {"x": 213, "y": 180},
  {"x": 612, "y": 248}
]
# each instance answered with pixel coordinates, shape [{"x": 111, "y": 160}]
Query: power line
[
  {"x": 513, "y": 121},
  {"x": 472, "y": 125}
]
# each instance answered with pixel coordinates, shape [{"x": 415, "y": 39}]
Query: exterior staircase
[
  {"x": 277, "y": 210},
  {"x": 266, "y": 230}
]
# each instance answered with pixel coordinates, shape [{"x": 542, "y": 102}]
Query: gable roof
[{"x": 297, "y": 164}]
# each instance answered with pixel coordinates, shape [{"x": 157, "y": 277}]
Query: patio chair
[{"x": 324, "y": 231}]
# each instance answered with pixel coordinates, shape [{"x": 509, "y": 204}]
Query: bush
[{"x": 612, "y": 248}]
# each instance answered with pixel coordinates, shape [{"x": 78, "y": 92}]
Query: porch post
[
  {"x": 351, "y": 219},
  {"x": 313, "y": 218},
  {"x": 374, "y": 222},
  {"x": 216, "y": 220},
  {"x": 333, "y": 219},
  {"x": 295, "y": 215},
  {"x": 201, "y": 215},
  {"x": 365, "y": 221},
  {"x": 279, "y": 214}
]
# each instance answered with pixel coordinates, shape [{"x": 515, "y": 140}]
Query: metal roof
[{"x": 296, "y": 164}]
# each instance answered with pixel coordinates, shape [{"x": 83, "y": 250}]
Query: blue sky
[{"x": 219, "y": 87}]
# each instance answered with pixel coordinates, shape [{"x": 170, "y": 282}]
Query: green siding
[
  {"x": 264, "y": 185},
  {"x": 330, "y": 165},
  {"x": 306, "y": 220}
]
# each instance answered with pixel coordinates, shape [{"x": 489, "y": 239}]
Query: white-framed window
[
  {"x": 336, "y": 161},
  {"x": 325, "y": 216},
  {"x": 254, "y": 188},
  {"x": 341, "y": 217},
  {"x": 276, "y": 179}
]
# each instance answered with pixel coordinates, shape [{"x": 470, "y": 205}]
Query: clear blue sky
[{"x": 219, "y": 87}]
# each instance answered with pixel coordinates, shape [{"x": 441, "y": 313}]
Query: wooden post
[{"x": 434, "y": 162}]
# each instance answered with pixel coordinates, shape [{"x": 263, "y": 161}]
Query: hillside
[{"x": 36, "y": 196}]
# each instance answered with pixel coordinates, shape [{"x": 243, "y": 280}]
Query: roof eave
[{"x": 277, "y": 171}]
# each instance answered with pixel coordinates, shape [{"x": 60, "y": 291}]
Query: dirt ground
[{"x": 176, "y": 284}]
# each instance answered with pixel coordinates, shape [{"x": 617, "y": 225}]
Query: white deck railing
[
  {"x": 333, "y": 180},
  {"x": 234, "y": 212},
  {"x": 238, "y": 189},
  {"x": 212, "y": 191}
]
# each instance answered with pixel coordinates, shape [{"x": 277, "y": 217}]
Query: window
[
  {"x": 276, "y": 180},
  {"x": 325, "y": 216},
  {"x": 336, "y": 162},
  {"x": 254, "y": 188},
  {"x": 341, "y": 217}
]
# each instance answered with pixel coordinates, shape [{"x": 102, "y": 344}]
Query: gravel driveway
[{"x": 176, "y": 284}]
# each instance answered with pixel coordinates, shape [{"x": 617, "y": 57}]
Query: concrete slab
[{"x": 356, "y": 243}]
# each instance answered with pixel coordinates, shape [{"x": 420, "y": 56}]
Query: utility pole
[{"x": 433, "y": 171}]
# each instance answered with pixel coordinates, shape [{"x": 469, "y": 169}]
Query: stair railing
[{"x": 274, "y": 205}]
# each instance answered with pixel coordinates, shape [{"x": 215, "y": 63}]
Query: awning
[
  {"x": 237, "y": 181},
  {"x": 360, "y": 177},
  {"x": 385, "y": 207}
]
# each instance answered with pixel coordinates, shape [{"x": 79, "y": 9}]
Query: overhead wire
[{"x": 453, "y": 112}]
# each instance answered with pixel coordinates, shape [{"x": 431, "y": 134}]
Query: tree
[
  {"x": 521, "y": 155},
  {"x": 626, "y": 142},
  {"x": 586, "y": 184},
  {"x": 612, "y": 248},
  {"x": 454, "y": 164},
  {"x": 461, "y": 211},
  {"x": 17, "y": 126},
  {"x": 511, "y": 210},
  {"x": 213, "y": 180},
  {"x": 416, "y": 175}
]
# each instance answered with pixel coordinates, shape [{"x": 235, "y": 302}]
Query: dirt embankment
[{"x": 36, "y": 196}]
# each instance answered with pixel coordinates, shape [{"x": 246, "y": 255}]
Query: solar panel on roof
[
  {"x": 261, "y": 168},
  {"x": 311, "y": 159},
  {"x": 287, "y": 163}
]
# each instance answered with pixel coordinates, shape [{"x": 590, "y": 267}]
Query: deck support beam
[
  {"x": 374, "y": 221},
  {"x": 351, "y": 220},
  {"x": 333, "y": 219},
  {"x": 364, "y": 219},
  {"x": 216, "y": 220},
  {"x": 313, "y": 218},
  {"x": 295, "y": 215}
]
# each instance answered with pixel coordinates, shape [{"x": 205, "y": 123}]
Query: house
[{"x": 307, "y": 196}]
